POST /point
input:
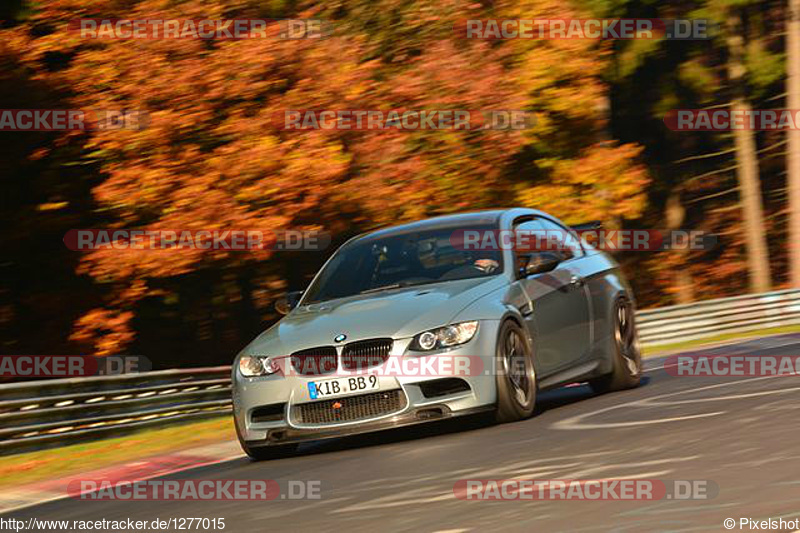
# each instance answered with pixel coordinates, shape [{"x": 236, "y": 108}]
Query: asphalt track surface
[{"x": 740, "y": 433}]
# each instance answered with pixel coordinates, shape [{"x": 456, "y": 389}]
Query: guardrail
[
  {"x": 65, "y": 411},
  {"x": 39, "y": 414},
  {"x": 667, "y": 325}
]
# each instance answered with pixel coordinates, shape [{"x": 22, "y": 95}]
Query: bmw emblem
[{"x": 340, "y": 337}]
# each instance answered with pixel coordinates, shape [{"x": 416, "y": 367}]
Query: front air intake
[
  {"x": 351, "y": 408},
  {"x": 443, "y": 387}
]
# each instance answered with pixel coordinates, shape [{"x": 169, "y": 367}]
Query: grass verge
[
  {"x": 743, "y": 335},
  {"x": 30, "y": 467}
]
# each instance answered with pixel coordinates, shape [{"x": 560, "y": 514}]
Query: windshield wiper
[
  {"x": 395, "y": 286},
  {"x": 382, "y": 288}
]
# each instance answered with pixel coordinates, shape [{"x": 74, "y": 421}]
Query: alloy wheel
[
  {"x": 516, "y": 362},
  {"x": 625, "y": 336}
]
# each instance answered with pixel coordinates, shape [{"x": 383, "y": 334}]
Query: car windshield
[{"x": 375, "y": 264}]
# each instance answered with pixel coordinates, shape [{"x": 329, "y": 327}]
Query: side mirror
[
  {"x": 287, "y": 302},
  {"x": 538, "y": 263}
]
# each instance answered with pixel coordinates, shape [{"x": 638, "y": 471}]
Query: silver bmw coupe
[{"x": 440, "y": 318}]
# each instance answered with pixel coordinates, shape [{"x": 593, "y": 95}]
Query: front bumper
[
  {"x": 414, "y": 417},
  {"x": 250, "y": 394}
]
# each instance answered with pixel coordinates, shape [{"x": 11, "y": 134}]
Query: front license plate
[{"x": 331, "y": 388}]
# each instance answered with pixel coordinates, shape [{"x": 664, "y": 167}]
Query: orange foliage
[{"x": 212, "y": 158}]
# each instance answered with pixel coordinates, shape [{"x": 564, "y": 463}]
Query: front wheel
[
  {"x": 516, "y": 378},
  {"x": 265, "y": 453},
  {"x": 626, "y": 358}
]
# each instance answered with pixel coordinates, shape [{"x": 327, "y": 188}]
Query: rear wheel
[
  {"x": 516, "y": 378},
  {"x": 626, "y": 359}
]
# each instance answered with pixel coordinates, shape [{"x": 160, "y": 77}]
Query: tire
[
  {"x": 516, "y": 377},
  {"x": 626, "y": 358},
  {"x": 265, "y": 453}
]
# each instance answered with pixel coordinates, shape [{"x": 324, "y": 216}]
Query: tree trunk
[
  {"x": 681, "y": 277},
  {"x": 793, "y": 158},
  {"x": 747, "y": 166}
]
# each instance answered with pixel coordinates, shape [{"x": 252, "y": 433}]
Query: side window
[
  {"x": 531, "y": 228},
  {"x": 567, "y": 240}
]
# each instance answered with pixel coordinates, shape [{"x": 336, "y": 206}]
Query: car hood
[{"x": 397, "y": 313}]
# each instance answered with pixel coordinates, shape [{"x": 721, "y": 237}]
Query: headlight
[
  {"x": 251, "y": 366},
  {"x": 445, "y": 337}
]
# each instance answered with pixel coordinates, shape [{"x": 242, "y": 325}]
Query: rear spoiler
[
  {"x": 594, "y": 225},
  {"x": 587, "y": 232}
]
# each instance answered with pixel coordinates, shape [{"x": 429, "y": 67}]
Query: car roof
[{"x": 471, "y": 218}]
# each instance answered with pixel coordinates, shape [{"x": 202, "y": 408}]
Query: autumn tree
[{"x": 212, "y": 156}]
